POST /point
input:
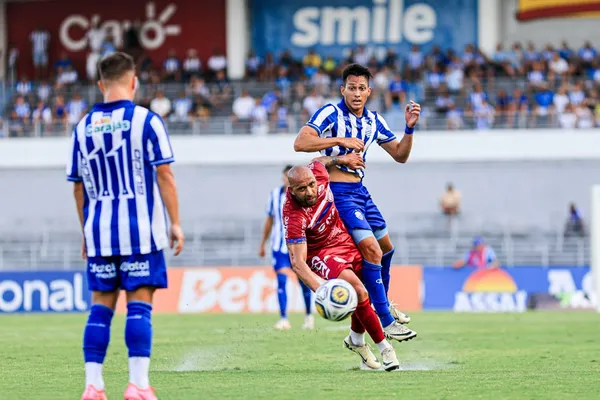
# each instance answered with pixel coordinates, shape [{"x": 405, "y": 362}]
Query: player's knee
[
  {"x": 371, "y": 251},
  {"x": 143, "y": 294},
  {"x": 361, "y": 292}
]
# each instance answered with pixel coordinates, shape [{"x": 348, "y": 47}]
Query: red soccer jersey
[{"x": 320, "y": 225}]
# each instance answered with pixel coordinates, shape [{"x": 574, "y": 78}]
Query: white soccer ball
[{"x": 335, "y": 300}]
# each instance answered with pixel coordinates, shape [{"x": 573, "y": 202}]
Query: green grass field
[{"x": 456, "y": 356}]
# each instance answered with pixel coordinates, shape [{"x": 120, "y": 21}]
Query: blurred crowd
[{"x": 515, "y": 87}]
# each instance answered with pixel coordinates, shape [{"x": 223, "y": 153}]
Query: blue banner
[
  {"x": 44, "y": 291},
  {"x": 332, "y": 27},
  {"x": 504, "y": 289}
]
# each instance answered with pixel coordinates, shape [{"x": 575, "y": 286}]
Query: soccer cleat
[
  {"x": 398, "y": 315},
  {"x": 398, "y": 332},
  {"x": 389, "y": 359},
  {"x": 369, "y": 361},
  {"x": 309, "y": 322},
  {"x": 283, "y": 324},
  {"x": 135, "y": 393},
  {"x": 91, "y": 393}
]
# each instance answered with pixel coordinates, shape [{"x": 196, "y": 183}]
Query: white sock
[
  {"x": 358, "y": 339},
  {"x": 93, "y": 375},
  {"x": 384, "y": 344},
  {"x": 138, "y": 371}
]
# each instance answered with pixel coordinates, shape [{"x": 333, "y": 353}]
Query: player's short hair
[
  {"x": 356, "y": 70},
  {"x": 114, "y": 66},
  {"x": 287, "y": 168}
]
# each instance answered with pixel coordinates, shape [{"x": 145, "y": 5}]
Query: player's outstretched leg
[
  {"x": 96, "y": 338},
  {"x": 309, "y": 320},
  {"x": 386, "y": 264},
  {"x": 283, "y": 322},
  {"x": 355, "y": 342},
  {"x": 368, "y": 319},
  {"x": 138, "y": 338}
]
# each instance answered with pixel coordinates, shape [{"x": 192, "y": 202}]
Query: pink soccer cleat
[
  {"x": 135, "y": 393},
  {"x": 91, "y": 393}
]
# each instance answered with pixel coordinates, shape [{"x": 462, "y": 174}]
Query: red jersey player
[{"x": 316, "y": 236}]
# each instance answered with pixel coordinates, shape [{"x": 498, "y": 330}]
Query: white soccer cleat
[
  {"x": 389, "y": 360},
  {"x": 398, "y": 315},
  {"x": 283, "y": 324},
  {"x": 398, "y": 332},
  {"x": 369, "y": 361},
  {"x": 309, "y": 322}
]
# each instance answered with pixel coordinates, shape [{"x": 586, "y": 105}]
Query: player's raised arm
[
  {"x": 352, "y": 160},
  {"x": 399, "y": 149},
  {"x": 311, "y": 136},
  {"x": 268, "y": 226},
  {"x": 298, "y": 253}
]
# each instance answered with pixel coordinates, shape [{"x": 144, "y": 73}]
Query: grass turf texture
[{"x": 545, "y": 355}]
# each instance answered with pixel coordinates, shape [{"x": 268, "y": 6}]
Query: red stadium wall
[
  {"x": 179, "y": 25},
  {"x": 254, "y": 290}
]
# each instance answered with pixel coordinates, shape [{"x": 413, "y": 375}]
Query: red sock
[
  {"x": 356, "y": 325},
  {"x": 366, "y": 315}
]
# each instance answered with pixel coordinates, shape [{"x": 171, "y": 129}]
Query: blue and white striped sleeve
[
  {"x": 324, "y": 119},
  {"x": 73, "y": 164},
  {"x": 269, "y": 210},
  {"x": 159, "y": 146},
  {"x": 384, "y": 134}
]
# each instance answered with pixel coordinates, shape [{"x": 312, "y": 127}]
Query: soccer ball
[{"x": 335, "y": 300}]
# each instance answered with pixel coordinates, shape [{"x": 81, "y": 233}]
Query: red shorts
[{"x": 329, "y": 262}]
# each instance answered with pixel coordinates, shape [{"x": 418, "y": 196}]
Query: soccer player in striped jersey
[
  {"x": 281, "y": 259},
  {"x": 120, "y": 166},
  {"x": 339, "y": 129}
]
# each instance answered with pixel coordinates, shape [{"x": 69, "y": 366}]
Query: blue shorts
[
  {"x": 356, "y": 207},
  {"x": 281, "y": 260},
  {"x": 107, "y": 274}
]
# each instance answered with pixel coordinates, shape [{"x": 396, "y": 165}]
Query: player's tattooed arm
[
  {"x": 351, "y": 160},
  {"x": 298, "y": 253}
]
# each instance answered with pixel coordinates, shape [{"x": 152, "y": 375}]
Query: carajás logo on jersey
[{"x": 490, "y": 290}]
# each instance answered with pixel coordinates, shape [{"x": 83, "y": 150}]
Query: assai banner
[
  {"x": 541, "y": 9},
  {"x": 506, "y": 290},
  {"x": 45, "y": 291},
  {"x": 332, "y": 27}
]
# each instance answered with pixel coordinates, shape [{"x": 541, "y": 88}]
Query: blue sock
[
  {"x": 96, "y": 334},
  {"x": 307, "y": 293},
  {"x": 282, "y": 294},
  {"x": 138, "y": 329},
  {"x": 386, "y": 263},
  {"x": 371, "y": 274}
]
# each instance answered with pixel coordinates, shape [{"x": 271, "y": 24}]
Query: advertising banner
[
  {"x": 164, "y": 25},
  {"x": 55, "y": 291},
  {"x": 505, "y": 290},
  {"x": 540, "y": 9},
  {"x": 332, "y": 27}
]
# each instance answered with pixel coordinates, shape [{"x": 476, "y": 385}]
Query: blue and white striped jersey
[
  {"x": 115, "y": 150},
  {"x": 337, "y": 121},
  {"x": 274, "y": 210}
]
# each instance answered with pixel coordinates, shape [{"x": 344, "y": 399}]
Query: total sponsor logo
[
  {"x": 234, "y": 290},
  {"x": 103, "y": 271},
  {"x": 136, "y": 269},
  {"x": 42, "y": 295},
  {"x": 490, "y": 290}
]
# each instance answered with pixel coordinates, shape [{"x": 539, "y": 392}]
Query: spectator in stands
[
  {"x": 40, "y": 40},
  {"x": 108, "y": 46},
  {"x": 131, "y": 39},
  {"x": 454, "y": 118},
  {"x": 76, "y": 109},
  {"x": 182, "y": 107},
  {"x": 192, "y": 65},
  {"x": 160, "y": 104},
  {"x": 171, "y": 67},
  {"x": 217, "y": 62},
  {"x": 567, "y": 118},
  {"x": 566, "y": 52},
  {"x": 280, "y": 118},
  {"x": 434, "y": 78},
  {"x": 60, "y": 112},
  {"x": 20, "y": 115},
  {"x": 477, "y": 96},
  {"x": 574, "y": 227},
  {"x": 91, "y": 66},
  {"x": 558, "y": 68},
  {"x": 561, "y": 100},
  {"x": 311, "y": 63},
  {"x": 95, "y": 37},
  {"x": 42, "y": 114},
  {"x": 454, "y": 76},
  {"x": 312, "y": 102},
  {"x": 381, "y": 79},
  {"x": 450, "y": 201},
  {"x": 480, "y": 256},
  {"x": 585, "y": 117},
  {"x": 536, "y": 77},
  {"x": 67, "y": 76},
  {"x": 362, "y": 55},
  {"x": 253, "y": 66},
  {"x": 62, "y": 63},
  {"x": 222, "y": 89},
  {"x": 44, "y": 90},
  {"x": 577, "y": 94},
  {"x": 544, "y": 104},
  {"x": 24, "y": 86},
  {"x": 259, "y": 118},
  {"x": 484, "y": 115},
  {"x": 243, "y": 107},
  {"x": 587, "y": 54},
  {"x": 443, "y": 102},
  {"x": 330, "y": 66},
  {"x": 283, "y": 81}
]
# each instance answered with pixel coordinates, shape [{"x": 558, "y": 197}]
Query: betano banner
[
  {"x": 191, "y": 290},
  {"x": 332, "y": 27},
  {"x": 539, "y": 9}
]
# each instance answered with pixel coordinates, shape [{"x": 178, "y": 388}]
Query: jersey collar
[
  {"x": 113, "y": 105},
  {"x": 342, "y": 106}
]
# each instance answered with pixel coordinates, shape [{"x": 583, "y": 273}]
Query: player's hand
[
  {"x": 412, "y": 113},
  {"x": 176, "y": 236},
  {"x": 261, "y": 251},
  {"x": 352, "y": 143},
  {"x": 353, "y": 161},
  {"x": 83, "y": 250}
]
